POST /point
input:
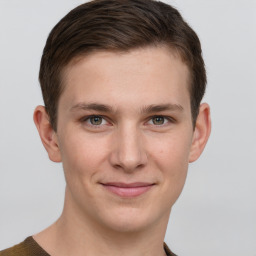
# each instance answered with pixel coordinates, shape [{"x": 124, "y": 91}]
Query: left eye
[{"x": 158, "y": 120}]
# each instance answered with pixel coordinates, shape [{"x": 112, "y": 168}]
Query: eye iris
[
  {"x": 96, "y": 120},
  {"x": 158, "y": 120}
]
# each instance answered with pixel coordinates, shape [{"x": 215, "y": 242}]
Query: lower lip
[{"x": 128, "y": 192}]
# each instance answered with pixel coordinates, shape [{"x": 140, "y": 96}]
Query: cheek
[
  {"x": 81, "y": 156},
  {"x": 172, "y": 158},
  {"x": 171, "y": 153}
]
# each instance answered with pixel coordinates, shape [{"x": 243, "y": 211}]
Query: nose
[{"x": 128, "y": 151}]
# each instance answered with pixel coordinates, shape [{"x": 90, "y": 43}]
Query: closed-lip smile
[{"x": 128, "y": 189}]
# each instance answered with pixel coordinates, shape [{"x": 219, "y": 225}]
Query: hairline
[{"x": 63, "y": 70}]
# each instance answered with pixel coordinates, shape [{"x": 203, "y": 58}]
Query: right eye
[{"x": 95, "y": 120}]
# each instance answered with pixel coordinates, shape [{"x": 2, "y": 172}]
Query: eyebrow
[
  {"x": 92, "y": 106},
  {"x": 162, "y": 107},
  {"x": 109, "y": 109}
]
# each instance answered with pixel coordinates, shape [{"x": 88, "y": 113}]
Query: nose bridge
[{"x": 129, "y": 153}]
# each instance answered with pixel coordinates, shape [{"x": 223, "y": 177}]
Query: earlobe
[
  {"x": 47, "y": 134},
  {"x": 201, "y": 133}
]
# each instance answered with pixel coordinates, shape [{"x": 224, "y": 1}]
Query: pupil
[
  {"x": 158, "y": 120},
  {"x": 96, "y": 120}
]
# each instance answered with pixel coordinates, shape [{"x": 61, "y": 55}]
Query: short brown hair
[{"x": 118, "y": 25}]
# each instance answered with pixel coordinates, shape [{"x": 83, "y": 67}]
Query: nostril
[{"x": 129, "y": 164}]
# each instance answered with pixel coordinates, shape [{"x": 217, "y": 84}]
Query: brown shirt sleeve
[
  {"x": 29, "y": 247},
  {"x": 167, "y": 251}
]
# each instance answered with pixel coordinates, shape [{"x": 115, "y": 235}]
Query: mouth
[{"x": 128, "y": 190}]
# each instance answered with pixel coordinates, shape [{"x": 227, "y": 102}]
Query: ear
[
  {"x": 47, "y": 134},
  {"x": 201, "y": 133}
]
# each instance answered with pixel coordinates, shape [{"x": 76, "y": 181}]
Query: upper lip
[{"x": 128, "y": 185}]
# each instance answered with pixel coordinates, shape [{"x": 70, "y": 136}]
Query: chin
[
  {"x": 128, "y": 226},
  {"x": 129, "y": 220}
]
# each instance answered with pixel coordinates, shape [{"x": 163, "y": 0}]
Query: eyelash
[
  {"x": 167, "y": 119},
  {"x": 87, "y": 119}
]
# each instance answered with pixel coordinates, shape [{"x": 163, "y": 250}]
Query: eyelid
[
  {"x": 87, "y": 118},
  {"x": 168, "y": 118}
]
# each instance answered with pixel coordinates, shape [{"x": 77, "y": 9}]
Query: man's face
[{"x": 125, "y": 133}]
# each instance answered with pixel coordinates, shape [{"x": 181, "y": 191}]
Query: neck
[{"x": 75, "y": 234}]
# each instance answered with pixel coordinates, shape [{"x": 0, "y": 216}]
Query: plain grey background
[{"x": 216, "y": 213}]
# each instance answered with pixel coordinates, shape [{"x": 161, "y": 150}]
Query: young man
[{"x": 122, "y": 82}]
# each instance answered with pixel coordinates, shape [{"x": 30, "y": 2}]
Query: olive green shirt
[{"x": 29, "y": 247}]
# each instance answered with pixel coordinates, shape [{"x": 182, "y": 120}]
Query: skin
[{"x": 110, "y": 130}]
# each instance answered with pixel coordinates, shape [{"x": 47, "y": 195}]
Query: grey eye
[
  {"x": 95, "y": 120},
  {"x": 158, "y": 120}
]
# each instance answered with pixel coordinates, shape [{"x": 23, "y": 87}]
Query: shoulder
[
  {"x": 167, "y": 251},
  {"x": 28, "y": 247}
]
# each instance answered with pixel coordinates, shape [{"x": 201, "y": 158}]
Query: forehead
[{"x": 145, "y": 74}]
